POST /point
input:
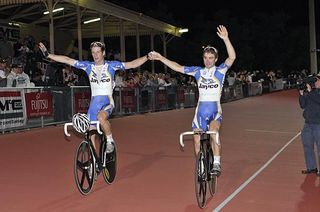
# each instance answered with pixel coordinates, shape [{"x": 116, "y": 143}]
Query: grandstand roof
[{"x": 31, "y": 12}]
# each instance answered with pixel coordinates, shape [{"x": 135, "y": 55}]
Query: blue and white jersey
[
  {"x": 209, "y": 81},
  {"x": 101, "y": 77}
]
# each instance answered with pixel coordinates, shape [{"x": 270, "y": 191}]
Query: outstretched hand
[
  {"x": 154, "y": 55},
  {"x": 43, "y": 50},
  {"x": 222, "y": 32}
]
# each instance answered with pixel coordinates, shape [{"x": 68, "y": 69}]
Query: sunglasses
[
  {"x": 97, "y": 44},
  {"x": 206, "y": 48}
]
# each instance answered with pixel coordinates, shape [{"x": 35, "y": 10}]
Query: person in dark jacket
[{"x": 310, "y": 102}]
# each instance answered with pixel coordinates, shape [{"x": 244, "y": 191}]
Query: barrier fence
[{"x": 22, "y": 108}]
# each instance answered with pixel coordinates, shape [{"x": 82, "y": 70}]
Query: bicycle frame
[
  {"x": 90, "y": 161},
  {"x": 204, "y": 157},
  {"x": 88, "y": 135}
]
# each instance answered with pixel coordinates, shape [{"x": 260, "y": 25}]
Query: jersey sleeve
[
  {"x": 223, "y": 68},
  {"x": 116, "y": 65},
  {"x": 83, "y": 65},
  {"x": 193, "y": 71},
  {"x": 113, "y": 66}
]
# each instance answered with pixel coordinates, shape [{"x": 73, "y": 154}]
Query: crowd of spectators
[{"x": 22, "y": 65}]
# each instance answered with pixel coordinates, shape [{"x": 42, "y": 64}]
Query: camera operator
[{"x": 310, "y": 102}]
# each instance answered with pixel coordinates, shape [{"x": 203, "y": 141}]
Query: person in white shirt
[{"x": 17, "y": 78}]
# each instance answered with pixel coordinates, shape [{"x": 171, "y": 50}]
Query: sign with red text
[
  {"x": 39, "y": 104},
  {"x": 82, "y": 102}
]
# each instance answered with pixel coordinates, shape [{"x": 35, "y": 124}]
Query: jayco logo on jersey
[
  {"x": 93, "y": 77},
  {"x": 104, "y": 78},
  {"x": 208, "y": 83}
]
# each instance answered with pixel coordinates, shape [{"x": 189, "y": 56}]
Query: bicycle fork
[{"x": 202, "y": 166}]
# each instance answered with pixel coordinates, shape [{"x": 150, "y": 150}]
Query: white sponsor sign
[{"x": 12, "y": 109}]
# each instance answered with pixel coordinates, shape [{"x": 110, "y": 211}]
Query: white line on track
[
  {"x": 269, "y": 131},
  {"x": 243, "y": 185}
]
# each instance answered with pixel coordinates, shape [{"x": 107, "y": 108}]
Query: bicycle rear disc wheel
[
  {"x": 200, "y": 181},
  {"x": 110, "y": 170},
  {"x": 212, "y": 183},
  {"x": 84, "y": 168}
]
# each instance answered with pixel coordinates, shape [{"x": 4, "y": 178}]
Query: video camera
[{"x": 302, "y": 83}]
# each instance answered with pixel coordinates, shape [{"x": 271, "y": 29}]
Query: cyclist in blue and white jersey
[
  {"x": 101, "y": 76},
  {"x": 210, "y": 78}
]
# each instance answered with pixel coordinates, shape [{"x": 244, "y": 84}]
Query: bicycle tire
[
  {"x": 200, "y": 180},
  {"x": 84, "y": 168},
  {"x": 110, "y": 170},
  {"x": 213, "y": 182},
  {"x": 212, "y": 179}
]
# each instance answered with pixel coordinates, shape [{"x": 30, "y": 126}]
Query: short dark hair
[
  {"x": 98, "y": 44},
  {"x": 17, "y": 65}
]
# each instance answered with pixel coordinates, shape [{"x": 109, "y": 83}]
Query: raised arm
[
  {"x": 171, "y": 64},
  {"x": 223, "y": 34},
  {"x": 136, "y": 63},
  {"x": 57, "y": 58}
]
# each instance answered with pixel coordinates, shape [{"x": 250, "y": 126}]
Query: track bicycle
[
  {"x": 89, "y": 162},
  {"x": 203, "y": 165}
]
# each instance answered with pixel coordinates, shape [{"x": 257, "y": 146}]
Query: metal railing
[{"x": 22, "y": 108}]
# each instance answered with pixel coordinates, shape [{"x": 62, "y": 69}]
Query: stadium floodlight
[
  {"x": 14, "y": 24},
  {"x": 183, "y": 30},
  {"x": 91, "y": 20},
  {"x": 54, "y": 11}
]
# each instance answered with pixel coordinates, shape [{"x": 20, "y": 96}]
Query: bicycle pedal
[{"x": 215, "y": 174}]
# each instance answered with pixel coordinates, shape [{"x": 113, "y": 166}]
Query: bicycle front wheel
[
  {"x": 200, "y": 180},
  {"x": 84, "y": 168}
]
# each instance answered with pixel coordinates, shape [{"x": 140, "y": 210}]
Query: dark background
[{"x": 271, "y": 34}]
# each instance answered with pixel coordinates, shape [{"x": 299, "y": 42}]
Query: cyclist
[
  {"x": 210, "y": 78},
  {"x": 101, "y": 76}
]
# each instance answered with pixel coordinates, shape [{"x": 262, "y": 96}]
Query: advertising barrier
[
  {"x": 12, "y": 109},
  {"x": 128, "y": 99},
  {"x": 81, "y": 102},
  {"x": 39, "y": 104}
]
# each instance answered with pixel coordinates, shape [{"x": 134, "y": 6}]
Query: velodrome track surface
[{"x": 154, "y": 175}]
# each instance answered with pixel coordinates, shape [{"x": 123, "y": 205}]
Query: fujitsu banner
[
  {"x": 82, "y": 102},
  {"x": 12, "y": 110},
  {"x": 39, "y": 104}
]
